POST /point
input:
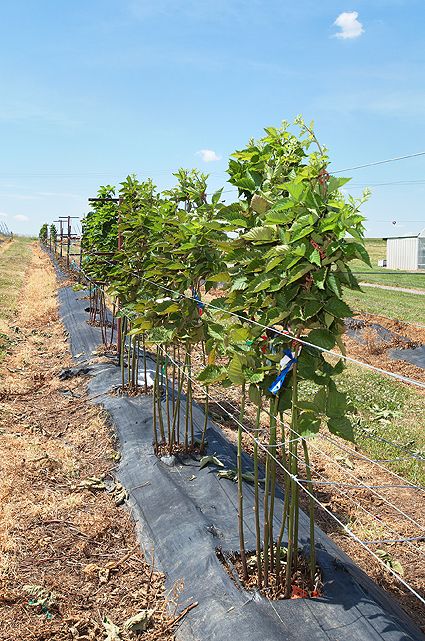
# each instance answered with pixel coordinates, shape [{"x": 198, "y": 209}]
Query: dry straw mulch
[{"x": 69, "y": 560}]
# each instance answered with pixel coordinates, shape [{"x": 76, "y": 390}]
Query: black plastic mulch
[
  {"x": 415, "y": 355},
  {"x": 182, "y": 520}
]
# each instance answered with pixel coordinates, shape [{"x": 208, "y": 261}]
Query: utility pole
[
  {"x": 56, "y": 239},
  {"x": 67, "y": 220},
  {"x": 61, "y": 235}
]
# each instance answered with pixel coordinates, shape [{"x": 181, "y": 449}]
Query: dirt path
[
  {"x": 68, "y": 554},
  {"x": 392, "y": 288}
]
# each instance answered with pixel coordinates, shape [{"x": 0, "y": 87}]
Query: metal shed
[{"x": 406, "y": 252}]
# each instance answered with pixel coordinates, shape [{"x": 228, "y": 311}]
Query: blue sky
[{"x": 94, "y": 90}]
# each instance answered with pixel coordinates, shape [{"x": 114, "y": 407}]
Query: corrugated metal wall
[
  {"x": 421, "y": 253},
  {"x": 402, "y": 253}
]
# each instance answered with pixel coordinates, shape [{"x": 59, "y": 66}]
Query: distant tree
[{"x": 43, "y": 233}]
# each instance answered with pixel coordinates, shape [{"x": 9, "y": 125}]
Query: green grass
[
  {"x": 398, "y": 305},
  {"x": 389, "y": 410},
  {"x": 382, "y": 408},
  {"x": 376, "y": 248},
  {"x": 14, "y": 260}
]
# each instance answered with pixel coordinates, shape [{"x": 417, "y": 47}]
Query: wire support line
[
  {"x": 380, "y": 162},
  {"x": 346, "y": 529},
  {"x": 362, "y": 486},
  {"x": 277, "y": 418},
  {"x": 401, "y": 540},
  {"x": 381, "y": 439},
  {"x": 369, "y": 488},
  {"x": 298, "y": 459},
  {"x": 391, "y": 443},
  {"x": 298, "y": 435},
  {"x": 302, "y": 462},
  {"x": 406, "y": 484},
  {"x": 301, "y": 341},
  {"x": 352, "y": 452}
]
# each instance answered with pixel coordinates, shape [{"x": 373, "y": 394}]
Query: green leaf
[
  {"x": 285, "y": 395},
  {"x": 235, "y": 372},
  {"x": 336, "y": 404},
  {"x": 361, "y": 253},
  {"x": 338, "y": 308},
  {"x": 341, "y": 427},
  {"x": 311, "y": 308},
  {"x": 319, "y": 278},
  {"x": 390, "y": 561},
  {"x": 298, "y": 232},
  {"x": 259, "y": 204},
  {"x": 320, "y": 400},
  {"x": 228, "y": 474},
  {"x": 322, "y": 337},
  {"x": 314, "y": 257},
  {"x": 299, "y": 272},
  {"x": 159, "y": 335},
  {"x": 252, "y": 376},
  {"x": 277, "y": 250},
  {"x": 274, "y": 261},
  {"x": 216, "y": 331},
  {"x": 295, "y": 189},
  {"x": 239, "y": 284},
  {"x": 308, "y": 423},
  {"x": 260, "y": 283},
  {"x": 335, "y": 183},
  {"x": 222, "y": 277},
  {"x": 207, "y": 460},
  {"x": 333, "y": 283},
  {"x": 254, "y": 395},
  {"x": 260, "y": 234},
  {"x": 245, "y": 183},
  {"x": 239, "y": 334},
  {"x": 212, "y": 374}
]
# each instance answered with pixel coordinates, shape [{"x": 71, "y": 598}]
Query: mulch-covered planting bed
[{"x": 70, "y": 565}]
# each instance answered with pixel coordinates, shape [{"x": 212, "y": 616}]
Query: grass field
[
  {"x": 398, "y": 305},
  {"x": 389, "y": 410},
  {"x": 376, "y": 248},
  {"x": 14, "y": 260}
]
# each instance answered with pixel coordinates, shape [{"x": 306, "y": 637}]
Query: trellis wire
[
  {"x": 353, "y": 452},
  {"x": 305, "y": 343},
  {"x": 296, "y": 480},
  {"x": 350, "y": 498},
  {"x": 301, "y": 341},
  {"x": 300, "y": 484},
  {"x": 338, "y": 484},
  {"x": 392, "y": 444}
]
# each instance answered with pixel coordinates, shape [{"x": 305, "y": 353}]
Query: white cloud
[
  {"x": 21, "y": 218},
  {"x": 349, "y": 25},
  {"x": 208, "y": 155},
  {"x": 3, "y": 215}
]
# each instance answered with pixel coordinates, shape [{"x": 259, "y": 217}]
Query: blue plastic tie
[
  {"x": 197, "y": 299},
  {"x": 276, "y": 386}
]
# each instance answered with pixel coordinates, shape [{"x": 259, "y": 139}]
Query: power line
[
  {"x": 380, "y": 162},
  {"x": 65, "y": 173}
]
